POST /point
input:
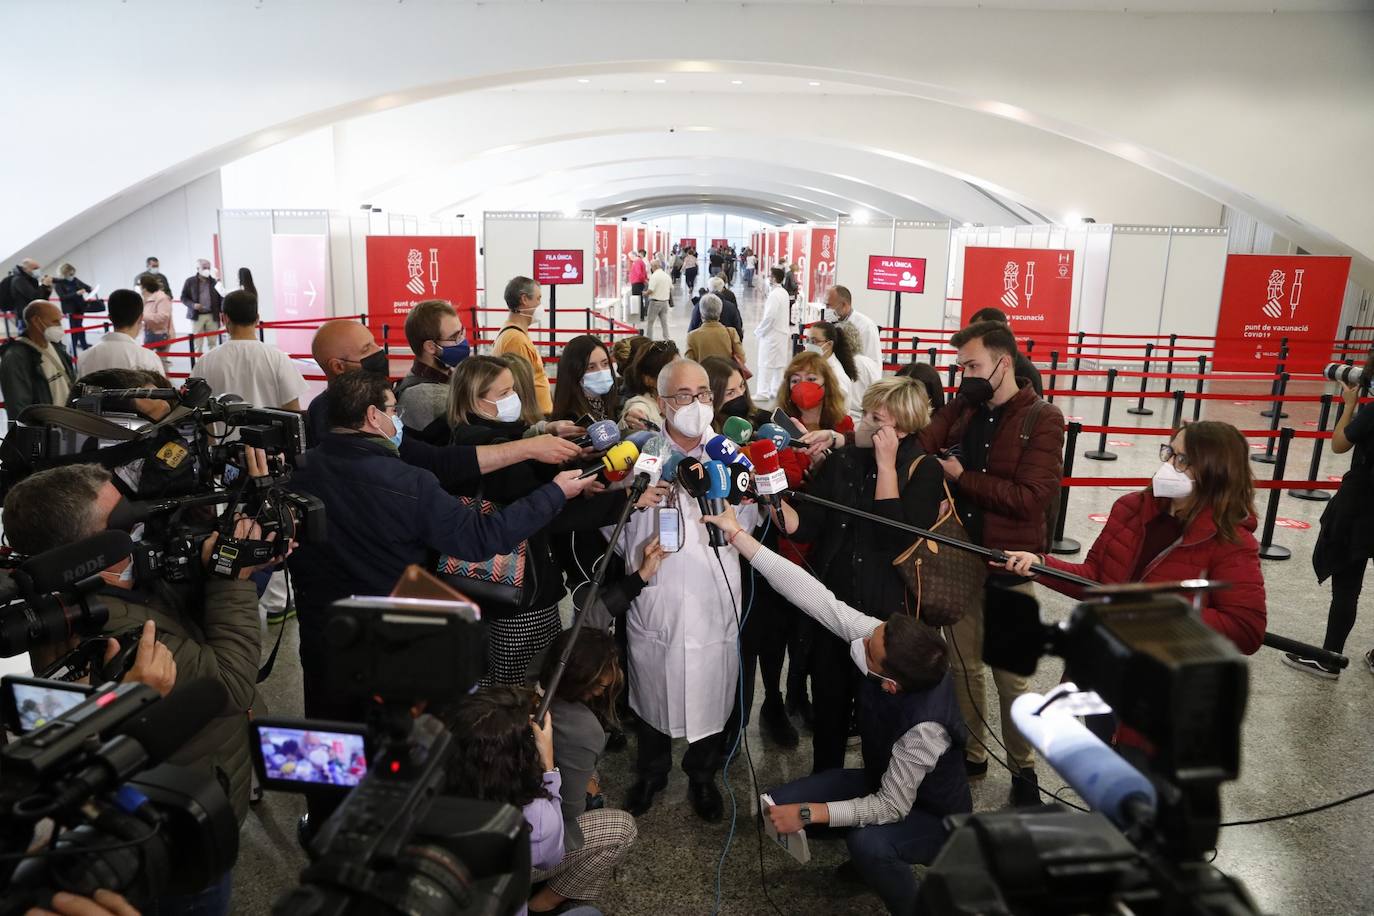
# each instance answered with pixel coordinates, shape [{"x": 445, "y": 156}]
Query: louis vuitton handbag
[{"x": 947, "y": 582}]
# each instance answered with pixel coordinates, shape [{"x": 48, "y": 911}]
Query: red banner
[
  {"x": 822, "y": 263},
  {"x": 801, "y": 256},
  {"x": 300, "y": 287},
  {"x": 685, "y": 243},
  {"x": 783, "y": 251},
  {"x": 558, "y": 266},
  {"x": 606, "y": 279},
  {"x": 896, "y": 275},
  {"x": 719, "y": 243},
  {"x": 1265, "y": 298},
  {"x": 1034, "y": 286},
  {"x": 403, "y": 270}
]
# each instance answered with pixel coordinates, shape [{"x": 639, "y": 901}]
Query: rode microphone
[
  {"x": 770, "y": 481},
  {"x": 719, "y": 448},
  {"x": 601, "y": 435},
  {"x": 63, "y": 567},
  {"x": 1105, "y": 781},
  {"x": 774, "y": 433},
  {"x": 717, "y": 492},
  {"x": 669, "y": 473},
  {"x": 737, "y": 430},
  {"x": 621, "y": 457}
]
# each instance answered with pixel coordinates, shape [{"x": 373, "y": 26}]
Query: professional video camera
[
  {"x": 396, "y": 843},
  {"x": 1181, "y": 688},
  {"x": 176, "y": 472},
  {"x": 122, "y": 819}
]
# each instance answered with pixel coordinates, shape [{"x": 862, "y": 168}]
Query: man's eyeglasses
[
  {"x": 1167, "y": 453},
  {"x": 682, "y": 399}
]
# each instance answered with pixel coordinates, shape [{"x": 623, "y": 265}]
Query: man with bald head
[
  {"x": 37, "y": 369},
  {"x": 25, "y": 283},
  {"x": 343, "y": 345},
  {"x": 203, "y": 304}
]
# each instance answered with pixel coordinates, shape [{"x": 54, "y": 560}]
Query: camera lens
[{"x": 1343, "y": 373}]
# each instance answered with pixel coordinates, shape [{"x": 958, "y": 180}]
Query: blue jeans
[
  {"x": 883, "y": 854},
  {"x": 212, "y": 901}
]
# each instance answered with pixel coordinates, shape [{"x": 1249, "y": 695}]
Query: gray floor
[{"x": 1305, "y": 743}]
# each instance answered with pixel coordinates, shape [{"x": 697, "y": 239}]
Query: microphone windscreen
[
  {"x": 721, "y": 449},
  {"x": 669, "y": 473},
  {"x": 63, "y": 566},
  {"x": 775, "y": 434},
  {"x": 691, "y": 476},
  {"x": 741, "y": 484},
  {"x": 621, "y": 457},
  {"x": 717, "y": 480},
  {"x": 737, "y": 430},
  {"x": 640, "y": 437},
  {"x": 165, "y": 726},
  {"x": 603, "y": 434},
  {"x": 765, "y": 456}
]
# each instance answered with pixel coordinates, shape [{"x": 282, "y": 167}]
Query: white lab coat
[
  {"x": 868, "y": 372},
  {"x": 869, "y": 342},
  {"x": 682, "y": 629},
  {"x": 774, "y": 331}
]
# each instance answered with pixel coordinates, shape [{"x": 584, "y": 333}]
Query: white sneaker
[{"x": 1311, "y": 666}]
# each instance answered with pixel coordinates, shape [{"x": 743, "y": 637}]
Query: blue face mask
[
  {"x": 598, "y": 382},
  {"x": 452, "y": 356},
  {"x": 400, "y": 431}
]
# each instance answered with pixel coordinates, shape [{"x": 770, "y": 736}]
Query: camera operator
[
  {"x": 212, "y": 633},
  {"x": 341, "y": 346},
  {"x": 910, "y": 724}
]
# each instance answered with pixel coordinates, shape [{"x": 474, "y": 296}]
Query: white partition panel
[
  {"x": 1192, "y": 289},
  {"x": 1135, "y": 279},
  {"x": 854, "y": 242},
  {"x": 508, "y": 243},
  {"x": 929, "y": 240}
]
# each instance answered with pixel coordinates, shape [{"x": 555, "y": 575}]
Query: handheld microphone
[
  {"x": 669, "y": 473},
  {"x": 63, "y": 567},
  {"x": 1096, "y": 772},
  {"x": 741, "y": 484},
  {"x": 721, "y": 449},
  {"x": 737, "y": 430},
  {"x": 639, "y": 438},
  {"x": 195, "y": 393},
  {"x": 695, "y": 481},
  {"x": 649, "y": 466},
  {"x": 774, "y": 433},
  {"x": 769, "y": 478},
  {"x": 600, "y": 436},
  {"x": 620, "y": 457},
  {"x": 717, "y": 492}
]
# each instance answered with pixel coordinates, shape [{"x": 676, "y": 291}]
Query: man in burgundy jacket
[{"x": 1004, "y": 448}]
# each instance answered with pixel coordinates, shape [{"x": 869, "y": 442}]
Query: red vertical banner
[
  {"x": 822, "y": 263},
  {"x": 403, "y": 270},
  {"x": 641, "y": 242},
  {"x": 627, "y": 245},
  {"x": 1265, "y": 298},
  {"x": 784, "y": 248},
  {"x": 801, "y": 256},
  {"x": 1034, "y": 286},
  {"x": 606, "y": 279},
  {"x": 300, "y": 287}
]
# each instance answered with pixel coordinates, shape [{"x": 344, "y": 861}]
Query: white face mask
[
  {"x": 53, "y": 333},
  {"x": 692, "y": 420},
  {"x": 1171, "y": 483},
  {"x": 536, "y": 316},
  {"x": 858, "y": 651},
  {"x": 204, "y": 271},
  {"x": 815, "y": 348},
  {"x": 507, "y": 408}
]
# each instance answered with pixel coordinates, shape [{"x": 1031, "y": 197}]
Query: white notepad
[{"x": 794, "y": 843}]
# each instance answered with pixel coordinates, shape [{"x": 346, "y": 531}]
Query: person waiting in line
[
  {"x": 714, "y": 338},
  {"x": 595, "y": 838},
  {"x": 774, "y": 333},
  {"x": 436, "y": 336},
  {"x": 524, "y": 298},
  {"x": 258, "y": 372},
  {"x": 71, "y": 292},
  {"x": 586, "y": 385},
  {"x": 886, "y": 472},
  {"x": 893, "y": 810},
  {"x": 119, "y": 348},
  {"x": 1024, "y": 367},
  {"x": 928, "y": 376},
  {"x": 729, "y": 307},
  {"x": 1004, "y": 448},
  {"x": 659, "y": 298},
  {"x": 203, "y": 300},
  {"x": 623, "y": 350},
  {"x": 1345, "y": 541},
  {"x": 638, "y": 275},
  {"x": 157, "y": 315},
  {"x": 36, "y": 368},
  {"x": 641, "y": 375}
]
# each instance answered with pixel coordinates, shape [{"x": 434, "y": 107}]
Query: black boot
[
  {"x": 800, "y": 705},
  {"x": 776, "y": 724},
  {"x": 706, "y": 800},
  {"x": 641, "y": 796}
]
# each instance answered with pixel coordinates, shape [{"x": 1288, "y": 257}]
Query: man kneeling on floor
[{"x": 913, "y": 737}]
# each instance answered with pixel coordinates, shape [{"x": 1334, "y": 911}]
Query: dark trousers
[
  {"x": 1345, "y": 599},
  {"x": 701, "y": 762},
  {"x": 883, "y": 853},
  {"x": 637, "y": 289},
  {"x": 212, "y": 901},
  {"x": 833, "y": 683},
  {"x": 691, "y": 273},
  {"x": 764, "y": 637},
  {"x": 78, "y": 324}
]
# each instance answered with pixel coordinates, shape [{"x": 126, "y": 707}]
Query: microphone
[
  {"x": 63, "y": 567},
  {"x": 741, "y": 484},
  {"x": 649, "y": 466},
  {"x": 670, "y": 464},
  {"x": 1105, "y": 781},
  {"x": 717, "y": 492},
  {"x": 146, "y": 738},
  {"x": 774, "y": 433},
  {"x": 601, "y": 435},
  {"x": 639, "y": 438},
  {"x": 769, "y": 478},
  {"x": 195, "y": 393},
  {"x": 719, "y": 448},
  {"x": 737, "y": 430},
  {"x": 695, "y": 481},
  {"x": 620, "y": 457}
]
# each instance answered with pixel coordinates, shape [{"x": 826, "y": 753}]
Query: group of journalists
[{"x": 472, "y": 457}]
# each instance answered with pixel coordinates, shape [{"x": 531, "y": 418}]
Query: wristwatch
[{"x": 804, "y": 812}]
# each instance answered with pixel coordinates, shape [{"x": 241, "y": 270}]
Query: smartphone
[
  {"x": 585, "y": 420},
  {"x": 780, "y": 418},
  {"x": 31, "y": 702},
  {"x": 670, "y": 529},
  {"x": 303, "y": 755}
]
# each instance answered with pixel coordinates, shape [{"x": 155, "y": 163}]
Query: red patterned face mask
[{"x": 807, "y": 395}]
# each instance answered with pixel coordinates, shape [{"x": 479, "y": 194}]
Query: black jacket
[
  {"x": 23, "y": 289},
  {"x": 729, "y": 315},
  {"x": 22, "y": 379},
  {"x": 189, "y": 298},
  {"x": 69, "y": 293},
  {"x": 853, "y": 557}
]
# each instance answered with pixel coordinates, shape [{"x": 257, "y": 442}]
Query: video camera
[
  {"x": 122, "y": 818},
  {"x": 1181, "y": 688},
  {"x": 396, "y": 843}
]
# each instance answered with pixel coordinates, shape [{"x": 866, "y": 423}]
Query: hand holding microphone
[{"x": 599, "y": 436}]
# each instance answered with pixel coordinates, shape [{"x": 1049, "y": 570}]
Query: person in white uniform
[
  {"x": 774, "y": 333},
  {"x": 683, "y": 628},
  {"x": 840, "y": 302},
  {"x": 120, "y": 349}
]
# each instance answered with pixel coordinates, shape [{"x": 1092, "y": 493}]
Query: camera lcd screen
[
  {"x": 311, "y": 756},
  {"x": 33, "y": 703}
]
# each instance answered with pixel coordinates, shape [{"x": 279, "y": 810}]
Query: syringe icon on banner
[
  {"x": 433, "y": 271},
  {"x": 1295, "y": 292},
  {"x": 1273, "y": 307},
  {"x": 415, "y": 269},
  {"x": 1030, "y": 281}
]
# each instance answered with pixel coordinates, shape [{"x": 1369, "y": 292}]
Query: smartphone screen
[
  {"x": 31, "y": 703},
  {"x": 669, "y": 530},
  {"x": 780, "y": 418},
  {"x": 298, "y": 756}
]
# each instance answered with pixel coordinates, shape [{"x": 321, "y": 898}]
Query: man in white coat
[
  {"x": 682, "y": 629},
  {"x": 841, "y": 303},
  {"x": 774, "y": 333}
]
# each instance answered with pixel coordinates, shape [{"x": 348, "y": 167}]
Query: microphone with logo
[
  {"x": 770, "y": 481},
  {"x": 774, "y": 433},
  {"x": 648, "y": 467},
  {"x": 669, "y": 473},
  {"x": 737, "y": 430},
  {"x": 49, "y": 597},
  {"x": 600, "y": 436},
  {"x": 617, "y": 461},
  {"x": 719, "y": 448},
  {"x": 696, "y": 481},
  {"x": 716, "y": 496}
]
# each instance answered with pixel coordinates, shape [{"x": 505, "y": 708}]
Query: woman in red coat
[{"x": 1197, "y": 521}]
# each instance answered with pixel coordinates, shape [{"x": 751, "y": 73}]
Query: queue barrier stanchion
[
  {"x": 1316, "y": 496},
  {"x": 915, "y": 344},
  {"x": 1178, "y": 408},
  {"x": 932, "y": 352},
  {"x": 1058, "y": 543},
  {"x": 1268, "y": 549},
  {"x": 1054, "y": 368},
  {"x": 1140, "y": 410},
  {"x": 1201, "y": 371},
  {"x": 949, "y": 383},
  {"x": 1169, "y": 363},
  {"x": 1269, "y": 457},
  {"x": 386, "y": 345},
  {"x": 262, "y": 333},
  {"x": 1077, "y": 361},
  {"x": 1030, "y": 347},
  {"x": 1275, "y": 390},
  {"x": 1100, "y": 453}
]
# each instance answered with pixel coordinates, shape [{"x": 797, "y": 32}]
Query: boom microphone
[
  {"x": 62, "y": 567},
  {"x": 621, "y": 457},
  {"x": 600, "y": 436}
]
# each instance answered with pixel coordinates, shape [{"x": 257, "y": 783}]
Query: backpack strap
[{"x": 1028, "y": 424}]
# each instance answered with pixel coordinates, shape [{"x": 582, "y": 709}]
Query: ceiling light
[
  {"x": 584, "y": 81},
  {"x": 736, "y": 82},
  {"x": 813, "y": 83},
  {"x": 660, "y": 81}
]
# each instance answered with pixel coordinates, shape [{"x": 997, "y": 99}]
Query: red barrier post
[
  {"x": 1316, "y": 496},
  {"x": 1054, "y": 367},
  {"x": 1058, "y": 543},
  {"x": 1268, "y": 457},
  {"x": 1268, "y": 549},
  {"x": 1140, "y": 409},
  {"x": 1100, "y": 453}
]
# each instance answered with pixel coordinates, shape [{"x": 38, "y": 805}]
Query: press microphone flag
[
  {"x": 719, "y": 448},
  {"x": 621, "y": 457},
  {"x": 769, "y": 478},
  {"x": 601, "y": 435},
  {"x": 737, "y": 430},
  {"x": 775, "y": 434}
]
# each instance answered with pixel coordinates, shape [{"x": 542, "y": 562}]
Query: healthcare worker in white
[
  {"x": 682, "y": 628},
  {"x": 774, "y": 332}
]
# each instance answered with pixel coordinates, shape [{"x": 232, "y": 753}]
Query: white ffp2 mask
[{"x": 1171, "y": 483}]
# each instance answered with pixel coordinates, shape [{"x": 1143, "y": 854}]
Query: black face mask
[
  {"x": 736, "y": 407},
  {"x": 376, "y": 362},
  {"x": 978, "y": 391}
]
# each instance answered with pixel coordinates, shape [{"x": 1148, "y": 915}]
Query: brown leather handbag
[{"x": 947, "y": 582}]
